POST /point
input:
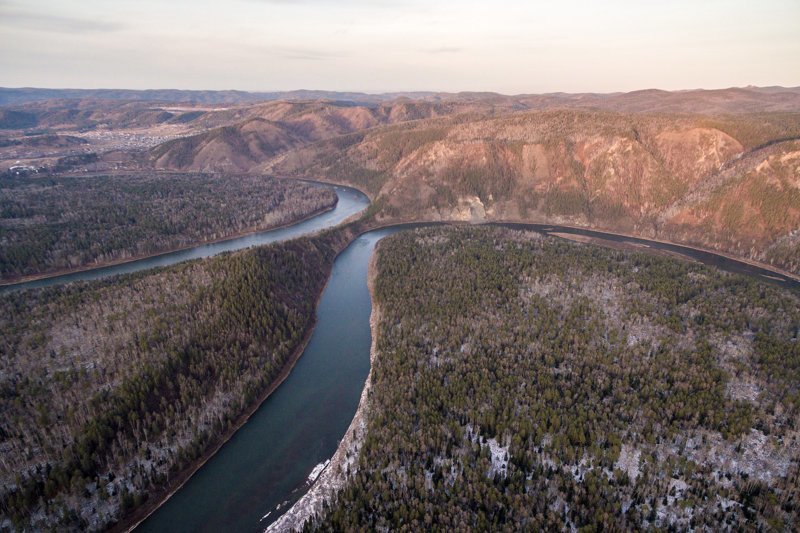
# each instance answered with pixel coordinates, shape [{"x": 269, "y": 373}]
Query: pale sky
[{"x": 394, "y": 45}]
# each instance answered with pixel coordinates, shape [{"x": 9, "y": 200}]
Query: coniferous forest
[
  {"x": 110, "y": 389},
  {"x": 51, "y": 224},
  {"x": 528, "y": 383}
]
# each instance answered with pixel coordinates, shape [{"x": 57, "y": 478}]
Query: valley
[
  {"x": 281, "y": 266},
  {"x": 716, "y": 171},
  {"x": 712, "y": 169}
]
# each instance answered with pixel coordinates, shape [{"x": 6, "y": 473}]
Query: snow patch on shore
[
  {"x": 499, "y": 458},
  {"x": 317, "y": 470}
]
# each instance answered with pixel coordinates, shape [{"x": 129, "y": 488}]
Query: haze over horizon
[{"x": 384, "y": 46}]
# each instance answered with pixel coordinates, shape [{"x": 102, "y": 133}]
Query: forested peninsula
[
  {"x": 524, "y": 383},
  {"x": 112, "y": 390}
]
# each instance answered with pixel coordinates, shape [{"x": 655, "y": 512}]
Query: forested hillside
[
  {"x": 52, "y": 224},
  {"x": 110, "y": 389},
  {"x": 528, "y": 383}
]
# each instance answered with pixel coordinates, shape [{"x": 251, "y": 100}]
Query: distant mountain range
[
  {"x": 23, "y": 95},
  {"x": 723, "y": 99}
]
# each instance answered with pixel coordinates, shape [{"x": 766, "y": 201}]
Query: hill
[
  {"x": 731, "y": 183},
  {"x": 734, "y": 99},
  {"x": 275, "y": 128}
]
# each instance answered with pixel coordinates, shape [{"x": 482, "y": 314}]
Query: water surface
[{"x": 351, "y": 201}]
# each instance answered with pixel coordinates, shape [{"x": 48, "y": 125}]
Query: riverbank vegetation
[
  {"x": 51, "y": 224},
  {"x": 527, "y": 383},
  {"x": 109, "y": 389}
]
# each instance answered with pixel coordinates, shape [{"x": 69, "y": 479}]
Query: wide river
[
  {"x": 351, "y": 201},
  {"x": 263, "y": 468}
]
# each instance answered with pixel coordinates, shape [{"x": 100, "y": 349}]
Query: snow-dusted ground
[
  {"x": 628, "y": 461},
  {"x": 499, "y": 458},
  {"x": 317, "y": 470}
]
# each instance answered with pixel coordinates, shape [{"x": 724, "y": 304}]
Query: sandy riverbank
[{"x": 345, "y": 460}]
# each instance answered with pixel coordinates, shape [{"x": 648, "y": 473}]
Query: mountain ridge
[
  {"x": 23, "y": 95},
  {"x": 716, "y": 169},
  {"x": 649, "y": 175}
]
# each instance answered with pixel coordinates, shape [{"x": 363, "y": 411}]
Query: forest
[
  {"x": 109, "y": 389},
  {"x": 53, "y": 224},
  {"x": 524, "y": 382}
]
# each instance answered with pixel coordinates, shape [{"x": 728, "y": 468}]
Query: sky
[{"x": 510, "y": 47}]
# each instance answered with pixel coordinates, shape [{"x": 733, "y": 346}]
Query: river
[
  {"x": 351, "y": 201},
  {"x": 268, "y": 460},
  {"x": 262, "y": 469}
]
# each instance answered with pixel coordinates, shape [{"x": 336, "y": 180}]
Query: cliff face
[
  {"x": 689, "y": 179},
  {"x": 751, "y": 209}
]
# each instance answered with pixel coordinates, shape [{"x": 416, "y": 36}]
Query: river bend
[
  {"x": 262, "y": 470},
  {"x": 351, "y": 201}
]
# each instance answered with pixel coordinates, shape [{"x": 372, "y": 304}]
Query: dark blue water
[{"x": 351, "y": 202}]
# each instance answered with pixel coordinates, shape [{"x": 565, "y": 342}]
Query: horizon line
[{"x": 400, "y": 91}]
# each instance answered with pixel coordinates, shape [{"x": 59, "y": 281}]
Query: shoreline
[
  {"x": 344, "y": 462},
  {"x": 624, "y": 245},
  {"x": 10, "y": 284},
  {"x": 597, "y": 229},
  {"x": 159, "y": 498},
  {"x": 383, "y": 224},
  {"x": 727, "y": 255}
]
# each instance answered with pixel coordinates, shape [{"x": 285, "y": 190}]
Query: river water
[
  {"x": 268, "y": 460},
  {"x": 263, "y": 469},
  {"x": 351, "y": 201}
]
